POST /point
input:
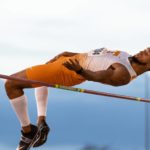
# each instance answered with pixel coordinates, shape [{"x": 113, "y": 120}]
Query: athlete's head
[{"x": 143, "y": 57}]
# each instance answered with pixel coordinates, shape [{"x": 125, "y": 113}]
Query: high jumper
[{"x": 115, "y": 68}]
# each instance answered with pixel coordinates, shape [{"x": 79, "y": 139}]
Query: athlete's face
[{"x": 143, "y": 57}]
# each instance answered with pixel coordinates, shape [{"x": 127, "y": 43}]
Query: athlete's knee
[
  {"x": 9, "y": 84},
  {"x": 12, "y": 89}
]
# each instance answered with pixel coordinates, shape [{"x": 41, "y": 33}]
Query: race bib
[{"x": 103, "y": 51}]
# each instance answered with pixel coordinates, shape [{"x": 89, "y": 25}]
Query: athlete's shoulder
[{"x": 121, "y": 76}]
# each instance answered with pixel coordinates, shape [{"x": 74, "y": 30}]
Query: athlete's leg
[
  {"x": 41, "y": 95},
  {"x": 14, "y": 90}
]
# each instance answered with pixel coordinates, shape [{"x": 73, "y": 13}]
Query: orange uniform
[{"x": 56, "y": 72}]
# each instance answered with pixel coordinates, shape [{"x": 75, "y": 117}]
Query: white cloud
[
  {"x": 54, "y": 26},
  {"x": 38, "y": 7}
]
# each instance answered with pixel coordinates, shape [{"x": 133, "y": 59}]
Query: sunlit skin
[
  {"x": 141, "y": 61},
  {"x": 143, "y": 56}
]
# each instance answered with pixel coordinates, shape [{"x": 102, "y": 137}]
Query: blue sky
[{"x": 79, "y": 119}]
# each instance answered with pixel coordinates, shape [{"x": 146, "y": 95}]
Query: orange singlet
[{"x": 56, "y": 72}]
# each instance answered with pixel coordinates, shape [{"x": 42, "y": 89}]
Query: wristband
[{"x": 79, "y": 71}]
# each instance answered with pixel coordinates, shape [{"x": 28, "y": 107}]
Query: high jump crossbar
[{"x": 40, "y": 83}]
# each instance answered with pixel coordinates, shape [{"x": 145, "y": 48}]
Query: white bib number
[{"x": 98, "y": 52}]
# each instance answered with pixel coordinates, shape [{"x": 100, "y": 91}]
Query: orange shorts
[{"x": 54, "y": 73}]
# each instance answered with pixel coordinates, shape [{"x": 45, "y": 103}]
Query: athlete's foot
[
  {"x": 43, "y": 129},
  {"x": 28, "y": 139}
]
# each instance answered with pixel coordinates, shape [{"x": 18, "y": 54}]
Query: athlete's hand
[{"x": 73, "y": 65}]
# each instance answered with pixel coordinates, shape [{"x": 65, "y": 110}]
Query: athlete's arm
[
  {"x": 66, "y": 54},
  {"x": 115, "y": 75}
]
